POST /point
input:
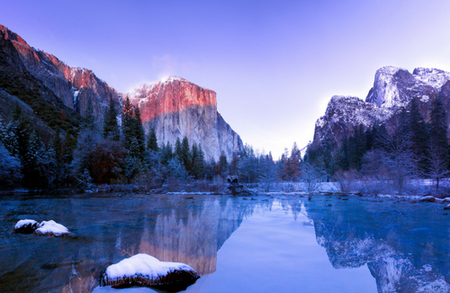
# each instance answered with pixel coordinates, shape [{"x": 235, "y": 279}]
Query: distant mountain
[
  {"x": 175, "y": 108},
  {"x": 393, "y": 89},
  {"x": 43, "y": 86}
]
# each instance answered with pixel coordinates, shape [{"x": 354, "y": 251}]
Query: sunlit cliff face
[{"x": 169, "y": 95}]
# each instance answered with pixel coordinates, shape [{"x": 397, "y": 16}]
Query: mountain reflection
[
  {"x": 405, "y": 246},
  {"x": 109, "y": 228}
]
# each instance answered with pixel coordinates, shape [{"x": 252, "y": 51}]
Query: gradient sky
[{"x": 273, "y": 64}]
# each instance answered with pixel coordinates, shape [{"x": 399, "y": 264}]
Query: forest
[{"x": 384, "y": 157}]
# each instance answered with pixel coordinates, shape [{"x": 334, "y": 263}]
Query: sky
[{"x": 273, "y": 64}]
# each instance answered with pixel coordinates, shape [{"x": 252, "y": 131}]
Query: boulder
[
  {"x": 51, "y": 228},
  {"x": 26, "y": 226},
  {"x": 145, "y": 270},
  {"x": 428, "y": 199}
]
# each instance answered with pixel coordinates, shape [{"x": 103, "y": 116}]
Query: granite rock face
[
  {"x": 175, "y": 108},
  {"x": 393, "y": 89},
  {"x": 74, "y": 86}
]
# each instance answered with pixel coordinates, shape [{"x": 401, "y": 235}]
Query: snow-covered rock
[
  {"x": 447, "y": 207},
  {"x": 51, "y": 228},
  {"x": 344, "y": 113},
  {"x": 26, "y": 226},
  {"x": 145, "y": 270},
  {"x": 428, "y": 199},
  {"x": 393, "y": 89}
]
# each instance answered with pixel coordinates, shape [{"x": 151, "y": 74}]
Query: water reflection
[
  {"x": 108, "y": 228},
  {"x": 405, "y": 246}
]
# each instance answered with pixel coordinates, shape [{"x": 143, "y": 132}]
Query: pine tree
[
  {"x": 139, "y": 132},
  {"x": 33, "y": 173},
  {"x": 110, "y": 127},
  {"x": 152, "y": 141},
  {"x": 166, "y": 153},
  {"x": 128, "y": 122},
  {"x": 186, "y": 155},
  {"x": 10, "y": 169},
  {"x": 294, "y": 164},
  {"x": 134, "y": 149},
  {"x": 198, "y": 158},
  {"x": 178, "y": 153},
  {"x": 89, "y": 116},
  {"x": 419, "y": 136},
  {"x": 438, "y": 142}
]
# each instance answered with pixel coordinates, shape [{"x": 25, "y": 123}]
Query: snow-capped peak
[{"x": 432, "y": 76}]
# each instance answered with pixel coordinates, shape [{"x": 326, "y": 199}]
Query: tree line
[
  {"x": 402, "y": 148},
  {"x": 120, "y": 153}
]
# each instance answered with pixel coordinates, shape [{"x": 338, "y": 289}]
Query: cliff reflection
[
  {"x": 405, "y": 246},
  {"x": 195, "y": 237},
  {"x": 108, "y": 228}
]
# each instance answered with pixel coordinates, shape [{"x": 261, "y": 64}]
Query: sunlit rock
[{"x": 175, "y": 108}]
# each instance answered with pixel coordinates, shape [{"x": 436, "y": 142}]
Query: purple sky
[{"x": 273, "y": 64}]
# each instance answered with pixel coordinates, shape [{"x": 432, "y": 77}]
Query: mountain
[
  {"x": 175, "y": 108},
  {"x": 44, "y": 86},
  {"x": 73, "y": 86},
  {"x": 18, "y": 87},
  {"x": 393, "y": 89}
]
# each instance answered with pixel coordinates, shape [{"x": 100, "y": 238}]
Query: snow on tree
[
  {"x": 111, "y": 128},
  {"x": 10, "y": 169}
]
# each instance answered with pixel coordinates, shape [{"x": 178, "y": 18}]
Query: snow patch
[
  {"x": 425, "y": 99},
  {"x": 51, "y": 228},
  {"x": 432, "y": 76},
  {"x": 26, "y": 222}
]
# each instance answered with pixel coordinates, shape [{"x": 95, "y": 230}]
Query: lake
[{"x": 278, "y": 243}]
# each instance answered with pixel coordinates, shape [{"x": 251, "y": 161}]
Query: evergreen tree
[
  {"x": 166, "y": 153},
  {"x": 293, "y": 164},
  {"x": 134, "y": 149},
  {"x": 419, "y": 136},
  {"x": 128, "y": 122},
  {"x": 438, "y": 128},
  {"x": 223, "y": 165},
  {"x": 89, "y": 116},
  {"x": 198, "y": 157},
  {"x": 10, "y": 169},
  {"x": 438, "y": 149},
  {"x": 152, "y": 141},
  {"x": 178, "y": 153},
  {"x": 110, "y": 127},
  {"x": 139, "y": 132},
  {"x": 33, "y": 169},
  {"x": 186, "y": 158}
]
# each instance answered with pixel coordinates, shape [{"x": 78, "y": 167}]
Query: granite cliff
[
  {"x": 175, "y": 108},
  {"x": 393, "y": 89}
]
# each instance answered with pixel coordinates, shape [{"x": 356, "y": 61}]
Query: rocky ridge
[
  {"x": 393, "y": 89},
  {"x": 74, "y": 86}
]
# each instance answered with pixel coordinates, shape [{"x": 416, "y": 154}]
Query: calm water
[{"x": 259, "y": 244}]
